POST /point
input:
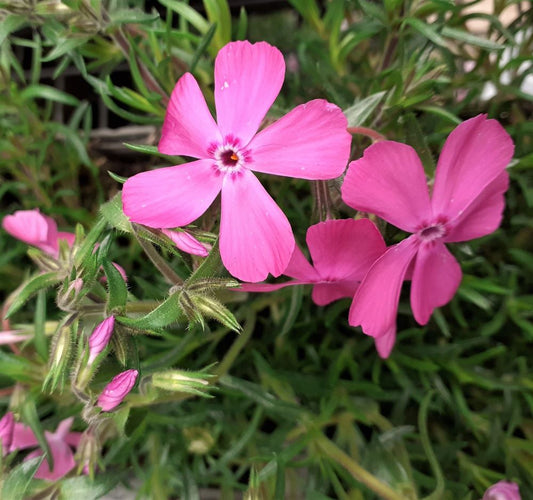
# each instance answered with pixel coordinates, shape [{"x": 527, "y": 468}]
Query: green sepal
[
  {"x": 165, "y": 314},
  {"x": 212, "y": 266},
  {"x": 87, "y": 246},
  {"x": 212, "y": 308},
  {"x": 118, "y": 290},
  {"x": 113, "y": 214}
]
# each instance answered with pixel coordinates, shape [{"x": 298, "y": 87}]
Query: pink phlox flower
[
  {"x": 7, "y": 427},
  {"x": 186, "y": 242},
  {"x": 61, "y": 443},
  {"x": 119, "y": 387},
  {"x": 342, "y": 251},
  {"x": 310, "y": 142},
  {"x": 467, "y": 202},
  {"x": 503, "y": 490},
  {"x": 36, "y": 229}
]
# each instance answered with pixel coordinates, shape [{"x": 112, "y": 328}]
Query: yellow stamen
[{"x": 234, "y": 157}]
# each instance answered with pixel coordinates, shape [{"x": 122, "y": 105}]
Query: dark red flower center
[
  {"x": 229, "y": 158},
  {"x": 433, "y": 232}
]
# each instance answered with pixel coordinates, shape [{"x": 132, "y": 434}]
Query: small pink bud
[
  {"x": 504, "y": 490},
  {"x": 100, "y": 338},
  {"x": 117, "y": 390},
  {"x": 186, "y": 242},
  {"x": 7, "y": 425}
]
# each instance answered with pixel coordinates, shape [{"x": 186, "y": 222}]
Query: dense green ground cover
[{"x": 300, "y": 404}]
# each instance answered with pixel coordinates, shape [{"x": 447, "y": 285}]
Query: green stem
[
  {"x": 157, "y": 260},
  {"x": 432, "y": 459},
  {"x": 360, "y": 474},
  {"x": 237, "y": 346}
]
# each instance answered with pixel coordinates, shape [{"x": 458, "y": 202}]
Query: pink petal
[
  {"x": 12, "y": 336},
  {"x": 33, "y": 228},
  {"x": 310, "y": 142},
  {"x": 248, "y": 79},
  {"x": 63, "y": 461},
  {"x": 344, "y": 249},
  {"x": 385, "y": 343},
  {"x": 325, "y": 293},
  {"x": 299, "y": 267},
  {"x": 186, "y": 242},
  {"x": 23, "y": 437},
  {"x": 68, "y": 237},
  {"x": 475, "y": 154},
  {"x": 255, "y": 236},
  {"x": 121, "y": 270},
  {"x": 389, "y": 181},
  {"x": 436, "y": 278},
  {"x": 172, "y": 196},
  {"x": 267, "y": 287},
  {"x": 484, "y": 214},
  {"x": 375, "y": 304},
  {"x": 188, "y": 129}
]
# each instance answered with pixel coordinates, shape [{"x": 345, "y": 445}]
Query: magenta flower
[
  {"x": 310, "y": 142},
  {"x": 100, "y": 338},
  {"x": 504, "y": 490},
  {"x": 186, "y": 242},
  {"x": 467, "y": 202},
  {"x": 342, "y": 252},
  {"x": 7, "y": 426},
  {"x": 36, "y": 229},
  {"x": 60, "y": 443},
  {"x": 117, "y": 390}
]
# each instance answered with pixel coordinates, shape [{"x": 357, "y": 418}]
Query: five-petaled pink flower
[
  {"x": 61, "y": 441},
  {"x": 503, "y": 490},
  {"x": 342, "y": 252},
  {"x": 467, "y": 202},
  {"x": 310, "y": 142},
  {"x": 36, "y": 229}
]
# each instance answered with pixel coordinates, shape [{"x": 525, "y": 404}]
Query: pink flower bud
[
  {"x": 117, "y": 390},
  {"x": 7, "y": 424},
  {"x": 186, "y": 242},
  {"x": 100, "y": 337},
  {"x": 504, "y": 490}
]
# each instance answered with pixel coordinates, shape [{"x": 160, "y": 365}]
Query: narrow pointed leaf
[{"x": 35, "y": 284}]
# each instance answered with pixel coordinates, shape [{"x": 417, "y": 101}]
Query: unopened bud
[
  {"x": 87, "y": 453},
  {"x": 117, "y": 390},
  {"x": 67, "y": 298},
  {"x": 59, "y": 357},
  {"x": 100, "y": 338},
  {"x": 503, "y": 490},
  {"x": 186, "y": 242},
  {"x": 212, "y": 308},
  {"x": 182, "y": 381},
  {"x": 7, "y": 424},
  {"x": 199, "y": 440}
]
